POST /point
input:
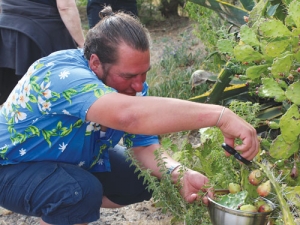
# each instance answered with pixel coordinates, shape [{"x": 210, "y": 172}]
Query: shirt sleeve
[{"x": 137, "y": 140}]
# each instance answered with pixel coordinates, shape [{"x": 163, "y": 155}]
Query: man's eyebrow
[
  {"x": 132, "y": 75},
  {"x": 148, "y": 69}
]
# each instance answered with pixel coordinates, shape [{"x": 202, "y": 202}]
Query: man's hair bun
[{"x": 106, "y": 11}]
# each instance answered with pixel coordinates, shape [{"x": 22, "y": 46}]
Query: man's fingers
[
  {"x": 205, "y": 200},
  {"x": 191, "y": 198}
]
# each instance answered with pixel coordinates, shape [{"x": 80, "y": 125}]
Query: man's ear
[{"x": 95, "y": 63}]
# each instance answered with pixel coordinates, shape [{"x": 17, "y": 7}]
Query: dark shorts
[
  {"x": 63, "y": 194},
  {"x": 95, "y": 6}
]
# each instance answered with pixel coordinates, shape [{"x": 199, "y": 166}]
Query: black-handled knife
[{"x": 236, "y": 155}]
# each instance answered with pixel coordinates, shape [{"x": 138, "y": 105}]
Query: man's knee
[
  {"x": 55, "y": 189},
  {"x": 77, "y": 198},
  {"x": 76, "y": 185}
]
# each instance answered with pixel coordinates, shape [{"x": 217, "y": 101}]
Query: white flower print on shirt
[
  {"x": 81, "y": 163},
  {"x": 100, "y": 162},
  {"x": 43, "y": 105},
  {"x": 50, "y": 64},
  {"x": 23, "y": 99},
  {"x": 27, "y": 87},
  {"x": 8, "y": 106},
  {"x": 5, "y": 146},
  {"x": 45, "y": 90},
  {"x": 62, "y": 146},
  {"x": 18, "y": 87},
  {"x": 19, "y": 116},
  {"x": 66, "y": 112},
  {"x": 23, "y": 83},
  {"x": 22, "y": 151},
  {"x": 64, "y": 74},
  {"x": 14, "y": 98},
  {"x": 92, "y": 127},
  {"x": 30, "y": 70}
]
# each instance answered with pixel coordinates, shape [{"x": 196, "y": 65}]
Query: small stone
[
  {"x": 2, "y": 222},
  {"x": 4, "y": 212}
]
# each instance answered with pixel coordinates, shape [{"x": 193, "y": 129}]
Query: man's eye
[
  {"x": 127, "y": 77},
  {"x": 124, "y": 76}
]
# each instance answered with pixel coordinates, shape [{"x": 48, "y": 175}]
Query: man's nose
[{"x": 138, "y": 83}]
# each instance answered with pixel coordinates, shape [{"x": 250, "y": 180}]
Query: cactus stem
[{"x": 286, "y": 213}]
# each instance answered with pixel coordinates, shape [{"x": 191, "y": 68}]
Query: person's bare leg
[
  {"x": 44, "y": 223},
  {"x": 106, "y": 203}
]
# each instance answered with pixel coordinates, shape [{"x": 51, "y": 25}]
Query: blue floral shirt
[{"x": 44, "y": 117}]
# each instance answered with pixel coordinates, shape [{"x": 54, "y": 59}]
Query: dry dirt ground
[
  {"x": 172, "y": 33},
  {"x": 164, "y": 33}
]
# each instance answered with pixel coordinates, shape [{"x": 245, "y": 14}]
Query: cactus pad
[{"x": 233, "y": 201}]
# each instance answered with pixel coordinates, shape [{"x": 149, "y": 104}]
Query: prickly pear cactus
[
  {"x": 293, "y": 195},
  {"x": 288, "y": 140},
  {"x": 294, "y": 12},
  {"x": 290, "y": 124},
  {"x": 225, "y": 46},
  {"x": 273, "y": 29},
  {"x": 245, "y": 53},
  {"x": 271, "y": 88},
  {"x": 271, "y": 48},
  {"x": 256, "y": 72},
  {"x": 275, "y": 48},
  {"x": 281, "y": 66},
  {"x": 276, "y": 149},
  {"x": 233, "y": 201},
  {"x": 268, "y": 51},
  {"x": 293, "y": 92},
  {"x": 249, "y": 36}
]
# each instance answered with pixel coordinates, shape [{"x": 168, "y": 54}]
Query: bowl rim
[{"x": 239, "y": 212}]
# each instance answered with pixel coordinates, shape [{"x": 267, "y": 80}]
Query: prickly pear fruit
[
  {"x": 294, "y": 172},
  {"x": 259, "y": 202},
  {"x": 271, "y": 222},
  {"x": 264, "y": 189},
  {"x": 248, "y": 208},
  {"x": 265, "y": 208},
  {"x": 255, "y": 177},
  {"x": 234, "y": 188}
]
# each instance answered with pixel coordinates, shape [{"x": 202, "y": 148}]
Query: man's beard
[{"x": 105, "y": 70}]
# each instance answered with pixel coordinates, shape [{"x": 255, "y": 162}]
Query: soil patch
[{"x": 173, "y": 32}]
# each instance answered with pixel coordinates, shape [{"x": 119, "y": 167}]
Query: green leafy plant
[
  {"x": 207, "y": 23},
  {"x": 166, "y": 194}
]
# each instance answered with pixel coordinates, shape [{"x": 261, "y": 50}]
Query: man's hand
[
  {"x": 232, "y": 127},
  {"x": 192, "y": 182}
]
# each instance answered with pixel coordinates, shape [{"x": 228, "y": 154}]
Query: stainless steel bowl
[{"x": 221, "y": 215}]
